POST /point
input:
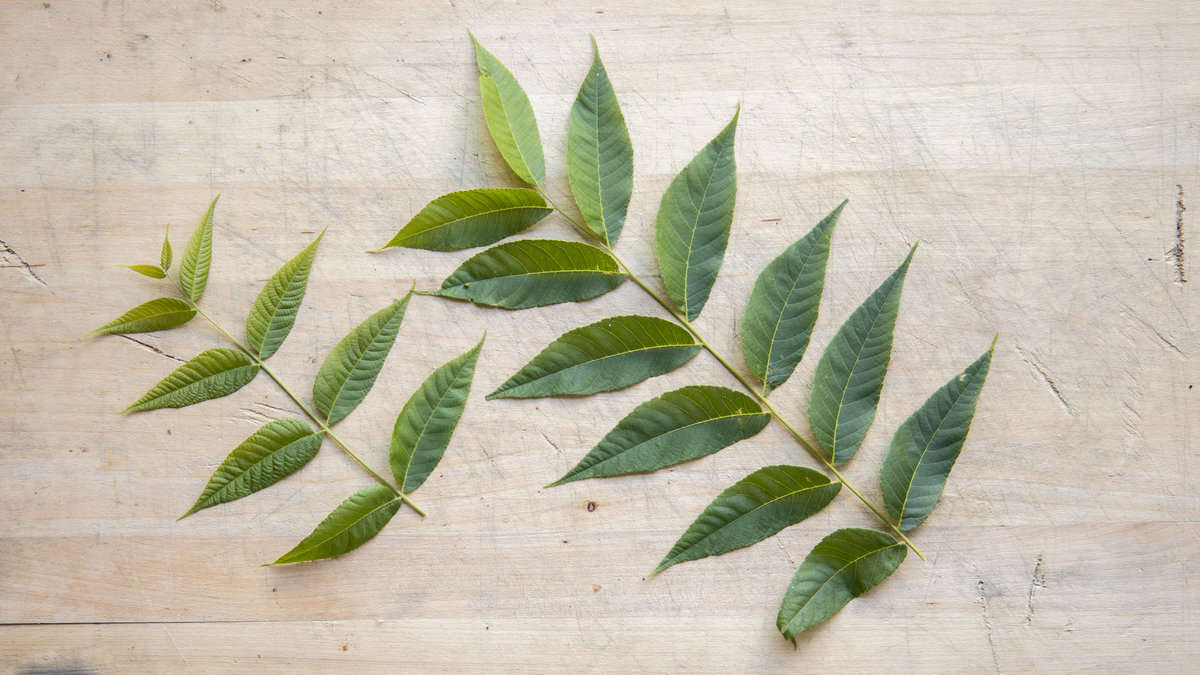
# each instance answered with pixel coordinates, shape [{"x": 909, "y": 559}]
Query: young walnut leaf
[
  {"x": 349, "y": 371},
  {"x": 842, "y": 567},
  {"x": 926, "y": 446},
  {"x": 193, "y": 270},
  {"x": 754, "y": 508},
  {"x": 532, "y": 273},
  {"x": 157, "y": 314},
  {"x": 353, "y": 523},
  {"x": 849, "y": 376},
  {"x": 679, "y": 425},
  {"x": 152, "y": 271},
  {"x": 164, "y": 256},
  {"x": 274, "y": 311},
  {"x": 694, "y": 221},
  {"x": 426, "y": 423},
  {"x": 599, "y": 154},
  {"x": 274, "y": 452},
  {"x": 212, "y": 374},
  {"x": 509, "y": 117},
  {"x": 609, "y": 354},
  {"x": 470, "y": 218},
  {"x": 783, "y": 306}
]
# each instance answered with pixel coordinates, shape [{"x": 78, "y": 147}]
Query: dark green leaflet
[
  {"x": 509, "y": 117},
  {"x": 675, "y": 427},
  {"x": 157, "y": 314},
  {"x": 212, "y": 374},
  {"x": 152, "y": 271},
  {"x": 274, "y": 311},
  {"x": 470, "y": 218},
  {"x": 193, "y": 270},
  {"x": 353, "y": 523},
  {"x": 349, "y": 371}
]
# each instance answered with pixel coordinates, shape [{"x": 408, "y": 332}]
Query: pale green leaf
[
  {"x": 694, "y": 222},
  {"x": 599, "y": 154},
  {"x": 609, "y": 354},
  {"x": 164, "y": 256},
  {"x": 213, "y": 373},
  {"x": 193, "y": 269},
  {"x": 274, "y": 452},
  {"x": 842, "y": 567},
  {"x": 425, "y": 424},
  {"x": 926, "y": 446},
  {"x": 275, "y": 308},
  {"x": 754, "y": 508},
  {"x": 349, "y": 371},
  {"x": 532, "y": 273},
  {"x": 783, "y": 306},
  {"x": 353, "y": 523},
  {"x": 849, "y": 376},
  {"x": 678, "y": 426},
  {"x": 470, "y": 218},
  {"x": 510, "y": 118},
  {"x": 157, "y": 314},
  {"x": 152, "y": 271}
]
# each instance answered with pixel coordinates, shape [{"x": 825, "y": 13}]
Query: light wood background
[{"x": 1045, "y": 154}]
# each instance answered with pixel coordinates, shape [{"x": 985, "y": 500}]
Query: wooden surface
[{"x": 1045, "y": 156}]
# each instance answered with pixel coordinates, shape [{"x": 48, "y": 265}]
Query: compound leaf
[
  {"x": 213, "y": 373},
  {"x": 353, "y": 523},
  {"x": 157, "y": 314},
  {"x": 275, "y": 308},
  {"x": 470, "y": 218},
  {"x": 193, "y": 270},
  {"x": 509, "y": 117},
  {"x": 532, "y": 273},
  {"x": 152, "y": 271},
  {"x": 349, "y": 372}
]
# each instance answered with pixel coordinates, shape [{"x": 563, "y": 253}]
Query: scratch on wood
[
  {"x": 152, "y": 348},
  {"x": 1036, "y": 581},
  {"x": 987, "y": 622},
  {"x": 5, "y": 249},
  {"x": 552, "y": 443},
  {"x": 1033, "y": 362},
  {"x": 1177, "y": 252}
]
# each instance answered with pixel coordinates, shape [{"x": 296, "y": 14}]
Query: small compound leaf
[
  {"x": 532, "y": 273},
  {"x": 610, "y": 354},
  {"x": 212, "y": 374},
  {"x": 926, "y": 446},
  {"x": 694, "y": 221},
  {"x": 509, "y": 117},
  {"x": 157, "y": 314},
  {"x": 783, "y": 306},
  {"x": 164, "y": 256},
  {"x": 849, "y": 376},
  {"x": 842, "y": 567},
  {"x": 425, "y": 425},
  {"x": 678, "y": 426},
  {"x": 353, "y": 523},
  {"x": 349, "y": 372},
  {"x": 193, "y": 269},
  {"x": 269, "y": 455},
  {"x": 754, "y": 508},
  {"x": 152, "y": 271},
  {"x": 275, "y": 308},
  {"x": 470, "y": 218},
  {"x": 599, "y": 154}
]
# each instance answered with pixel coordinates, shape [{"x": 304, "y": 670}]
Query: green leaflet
[
  {"x": 353, "y": 523},
  {"x": 349, "y": 371},
  {"x": 152, "y": 271},
  {"x": 157, "y": 314},
  {"x": 599, "y": 154},
  {"x": 470, "y": 218},
  {"x": 926, "y": 446},
  {"x": 532, "y": 273},
  {"x": 842, "y": 567},
  {"x": 694, "y": 221},
  {"x": 193, "y": 270},
  {"x": 679, "y": 425},
  {"x": 424, "y": 427},
  {"x": 783, "y": 306},
  {"x": 609, "y": 354},
  {"x": 849, "y": 376},
  {"x": 509, "y": 117},
  {"x": 275, "y": 308},
  {"x": 754, "y": 508},
  {"x": 269, "y": 455},
  {"x": 164, "y": 256},
  {"x": 213, "y": 373}
]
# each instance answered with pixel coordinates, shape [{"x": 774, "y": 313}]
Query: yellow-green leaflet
[
  {"x": 470, "y": 218},
  {"x": 349, "y": 371},
  {"x": 275, "y": 308},
  {"x": 152, "y": 271},
  {"x": 193, "y": 270},
  {"x": 164, "y": 256},
  {"x": 353, "y": 523},
  {"x": 212, "y": 374},
  {"x": 157, "y": 314},
  {"x": 510, "y": 118}
]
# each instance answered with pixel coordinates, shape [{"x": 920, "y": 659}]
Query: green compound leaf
[
  {"x": 783, "y": 306},
  {"x": 164, "y": 256},
  {"x": 532, "y": 273},
  {"x": 269, "y": 455},
  {"x": 599, "y": 154},
  {"x": 425, "y": 425},
  {"x": 274, "y": 311},
  {"x": 610, "y": 354},
  {"x": 754, "y": 508},
  {"x": 353, "y": 523},
  {"x": 842, "y": 567},
  {"x": 470, "y": 218},
  {"x": 349, "y": 372},
  {"x": 849, "y": 376},
  {"x": 679, "y": 425},
  {"x": 212, "y": 374},
  {"x": 157, "y": 314},
  {"x": 193, "y": 270},
  {"x": 509, "y": 117},
  {"x": 926, "y": 446},
  {"x": 694, "y": 221},
  {"x": 152, "y": 271}
]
